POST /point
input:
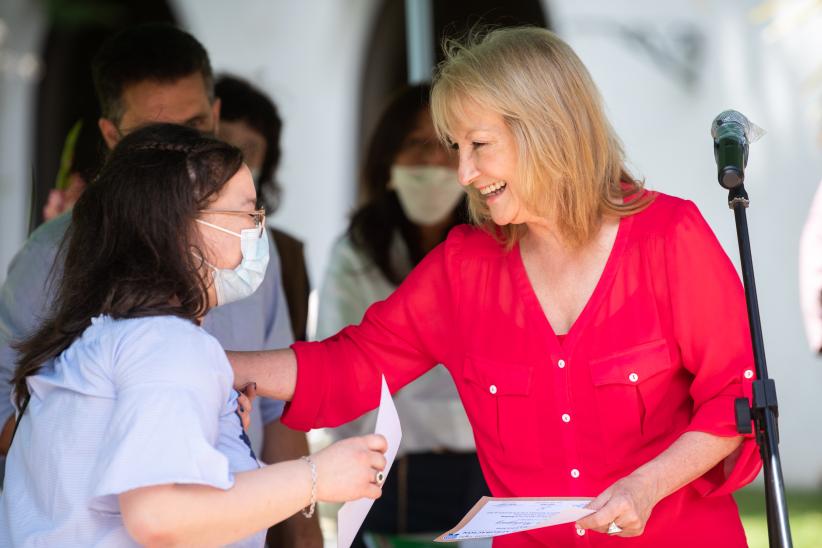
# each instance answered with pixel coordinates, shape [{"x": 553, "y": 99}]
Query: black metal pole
[{"x": 765, "y": 410}]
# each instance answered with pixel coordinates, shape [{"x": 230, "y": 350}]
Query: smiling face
[
  {"x": 567, "y": 167},
  {"x": 489, "y": 162}
]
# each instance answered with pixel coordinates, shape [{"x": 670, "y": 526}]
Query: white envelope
[{"x": 352, "y": 514}]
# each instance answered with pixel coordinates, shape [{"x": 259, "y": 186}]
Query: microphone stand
[{"x": 765, "y": 410}]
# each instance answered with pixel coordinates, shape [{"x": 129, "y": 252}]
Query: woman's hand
[
  {"x": 244, "y": 401},
  {"x": 627, "y": 503},
  {"x": 347, "y": 470},
  {"x": 273, "y": 372}
]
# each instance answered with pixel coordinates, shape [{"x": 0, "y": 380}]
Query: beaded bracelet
[{"x": 309, "y": 510}]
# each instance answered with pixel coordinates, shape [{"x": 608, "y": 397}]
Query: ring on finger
[
  {"x": 379, "y": 478},
  {"x": 614, "y": 529}
]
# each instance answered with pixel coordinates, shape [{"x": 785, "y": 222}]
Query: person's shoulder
[
  {"x": 663, "y": 212},
  {"x": 163, "y": 349},
  {"x": 468, "y": 240},
  {"x": 346, "y": 255},
  {"x": 663, "y": 203},
  {"x": 51, "y": 232},
  {"x": 31, "y": 276},
  {"x": 42, "y": 245},
  {"x": 668, "y": 222},
  {"x": 343, "y": 245},
  {"x": 167, "y": 335}
]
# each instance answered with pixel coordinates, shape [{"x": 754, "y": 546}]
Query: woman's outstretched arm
[{"x": 273, "y": 371}]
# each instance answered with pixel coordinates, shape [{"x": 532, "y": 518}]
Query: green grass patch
[{"x": 804, "y": 512}]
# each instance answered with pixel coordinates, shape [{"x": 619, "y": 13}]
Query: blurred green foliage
[{"x": 804, "y": 513}]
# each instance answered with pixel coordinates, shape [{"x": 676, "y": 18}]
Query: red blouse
[{"x": 661, "y": 348}]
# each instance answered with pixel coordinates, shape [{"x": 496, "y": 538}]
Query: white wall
[
  {"x": 21, "y": 32},
  {"x": 665, "y": 128}
]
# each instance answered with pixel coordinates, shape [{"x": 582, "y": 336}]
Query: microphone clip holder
[{"x": 738, "y": 196}]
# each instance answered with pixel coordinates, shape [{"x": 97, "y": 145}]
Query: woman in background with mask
[
  {"x": 411, "y": 199},
  {"x": 128, "y": 429}
]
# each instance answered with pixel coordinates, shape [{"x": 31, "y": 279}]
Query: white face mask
[
  {"x": 428, "y": 194},
  {"x": 240, "y": 282}
]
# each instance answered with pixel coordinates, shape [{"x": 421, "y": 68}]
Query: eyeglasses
[{"x": 258, "y": 216}]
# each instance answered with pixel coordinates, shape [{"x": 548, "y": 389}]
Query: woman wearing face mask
[
  {"x": 128, "y": 432},
  {"x": 411, "y": 199}
]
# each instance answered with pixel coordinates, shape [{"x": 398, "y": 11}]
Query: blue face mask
[{"x": 240, "y": 282}]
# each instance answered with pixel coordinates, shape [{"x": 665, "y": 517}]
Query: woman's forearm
[
  {"x": 280, "y": 443},
  {"x": 628, "y": 502},
  {"x": 688, "y": 458},
  {"x": 274, "y": 372},
  {"x": 200, "y": 515}
]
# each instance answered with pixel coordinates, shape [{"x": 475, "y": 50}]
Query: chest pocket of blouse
[
  {"x": 624, "y": 384},
  {"x": 501, "y": 408}
]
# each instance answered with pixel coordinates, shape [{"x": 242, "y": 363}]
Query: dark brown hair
[
  {"x": 132, "y": 250},
  {"x": 242, "y": 102},
  {"x": 157, "y": 52}
]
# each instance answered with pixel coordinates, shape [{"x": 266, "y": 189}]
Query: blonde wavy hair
[{"x": 571, "y": 164}]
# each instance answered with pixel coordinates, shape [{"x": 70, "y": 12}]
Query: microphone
[{"x": 732, "y": 132}]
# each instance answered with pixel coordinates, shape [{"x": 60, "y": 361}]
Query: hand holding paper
[{"x": 352, "y": 514}]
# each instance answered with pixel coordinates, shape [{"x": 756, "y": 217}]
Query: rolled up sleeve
[{"x": 712, "y": 330}]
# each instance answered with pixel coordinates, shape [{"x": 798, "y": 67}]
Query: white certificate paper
[
  {"x": 352, "y": 514},
  {"x": 492, "y": 517}
]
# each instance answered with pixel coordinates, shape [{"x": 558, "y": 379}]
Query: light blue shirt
[
  {"x": 131, "y": 403},
  {"x": 259, "y": 322}
]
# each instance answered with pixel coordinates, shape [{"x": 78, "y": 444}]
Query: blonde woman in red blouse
[{"x": 596, "y": 331}]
